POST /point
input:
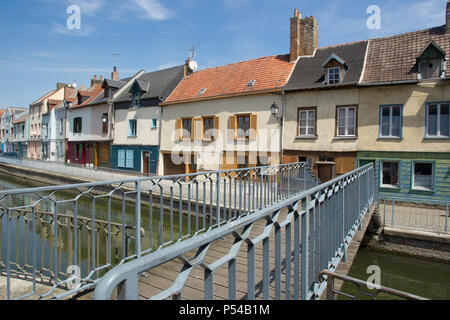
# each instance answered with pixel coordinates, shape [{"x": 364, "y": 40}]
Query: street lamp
[{"x": 274, "y": 109}]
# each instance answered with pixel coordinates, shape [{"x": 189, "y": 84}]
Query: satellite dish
[
  {"x": 74, "y": 85},
  {"x": 193, "y": 65}
]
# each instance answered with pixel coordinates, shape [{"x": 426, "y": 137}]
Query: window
[
  {"x": 334, "y": 75},
  {"x": 77, "y": 125},
  {"x": 132, "y": 130},
  {"x": 208, "y": 128},
  {"x": 423, "y": 173},
  {"x": 130, "y": 159},
  {"x": 391, "y": 121},
  {"x": 242, "y": 162},
  {"x": 438, "y": 120},
  {"x": 390, "y": 174},
  {"x": 346, "y": 122},
  {"x": 243, "y": 126},
  {"x": 201, "y": 91},
  {"x": 136, "y": 99},
  {"x": 307, "y": 122},
  {"x": 61, "y": 126},
  {"x": 154, "y": 123},
  {"x": 121, "y": 159},
  {"x": 23, "y": 131},
  {"x": 126, "y": 159},
  {"x": 187, "y": 129},
  {"x": 105, "y": 123}
]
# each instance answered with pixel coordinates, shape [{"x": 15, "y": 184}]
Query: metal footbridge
[{"x": 257, "y": 233}]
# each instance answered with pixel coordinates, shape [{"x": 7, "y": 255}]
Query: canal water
[{"x": 428, "y": 279}]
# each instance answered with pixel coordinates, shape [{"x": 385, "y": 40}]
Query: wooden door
[
  {"x": 326, "y": 172},
  {"x": 146, "y": 162},
  {"x": 97, "y": 155}
]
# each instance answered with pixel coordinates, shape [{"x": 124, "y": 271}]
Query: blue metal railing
[
  {"x": 317, "y": 225},
  {"x": 63, "y": 239},
  {"x": 415, "y": 213}
]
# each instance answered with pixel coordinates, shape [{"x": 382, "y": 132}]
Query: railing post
[
  {"x": 128, "y": 289},
  {"x": 138, "y": 218},
  {"x": 446, "y": 217},
  {"x": 330, "y": 288},
  {"x": 393, "y": 212}
]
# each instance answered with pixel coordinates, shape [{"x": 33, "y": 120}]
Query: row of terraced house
[{"x": 383, "y": 101}]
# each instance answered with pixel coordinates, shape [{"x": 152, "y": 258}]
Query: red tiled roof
[
  {"x": 394, "y": 58},
  {"x": 270, "y": 73},
  {"x": 21, "y": 119},
  {"x": 92, "y": 93}
]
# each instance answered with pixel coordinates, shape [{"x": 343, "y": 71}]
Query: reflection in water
[
  {"x": 53, "y": 247},
  {"x": 421, "y": 277}
]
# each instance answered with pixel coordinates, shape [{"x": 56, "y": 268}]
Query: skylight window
[
  {"x": 202, "y": 91},
  {"x": 251, "y": 83}
]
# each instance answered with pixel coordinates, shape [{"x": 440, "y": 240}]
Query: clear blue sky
[{"x": 37, "y": 50}]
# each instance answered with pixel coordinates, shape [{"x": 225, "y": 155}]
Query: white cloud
[{"x": 152, "y": 9}]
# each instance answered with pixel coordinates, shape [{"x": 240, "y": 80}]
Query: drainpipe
[{"x": 283, "y": 113}]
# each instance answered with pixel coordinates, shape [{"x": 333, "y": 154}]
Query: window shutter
[
  {"x": 232, "y": 127},
  {"x": 121, "y": 159},
  {"x": 216, "y": 128},
  {"x": 178, "y": 129},
  {"x": 197, "y": 133},
  {"x": 253, "y": 126}
]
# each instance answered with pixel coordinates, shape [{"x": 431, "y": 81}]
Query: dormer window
[
  {"x": 136, "y": 99},
  {"x": 335, "y": 68},
  {"x": 334, "y": 75},
  {"x": 431, "y": 62}
]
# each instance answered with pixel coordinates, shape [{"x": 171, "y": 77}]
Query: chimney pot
[{"x": 115, "y": 74}]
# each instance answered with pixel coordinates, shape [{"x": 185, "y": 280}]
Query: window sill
[
  {"x": 422, "y": 189},
  {"x": 390, "y": 188},
  {"x": 436, "y": 138},
  {"x": 390, "y": 138},
  {"x": 306, "y": 137},
  {"x": 346, "y": 138}
]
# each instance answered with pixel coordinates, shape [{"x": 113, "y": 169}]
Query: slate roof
[
  {"x": 395, "y": 58},
  {"x": 270, "y": 73},
  {"x": 310, "y": 74},
  {"x": 162, "y": 83}
]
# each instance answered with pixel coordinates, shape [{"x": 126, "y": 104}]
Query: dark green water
[{"x": 421, "y": 277}]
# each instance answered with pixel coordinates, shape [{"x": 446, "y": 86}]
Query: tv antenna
[
  {"x": 193, "y": 51},
  {"x": 117, "y": 55}
]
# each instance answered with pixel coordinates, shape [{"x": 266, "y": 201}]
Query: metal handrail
[
  {"x": 96, "y": 241},
  {"x": 349, "y": 197},
  {"x": 331, "y": 293}
]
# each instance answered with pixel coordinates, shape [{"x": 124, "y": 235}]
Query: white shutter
[
  {"x": 130, "y": 159},
  {"x": 121, "y": 159}
]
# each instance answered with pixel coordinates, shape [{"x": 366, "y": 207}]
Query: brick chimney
[
  {"x": 447, "y": 19},
  {"x": 115, "y": 74},
  {"x": 304, "y": 36},
  {"x": 60, "y": 85},
  {"x": 187, "y": 69},
  {"x": 96, "y": 81}
]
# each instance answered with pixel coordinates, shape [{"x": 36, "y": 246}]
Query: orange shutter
[
  {"x": 232, "y": 127},
  {"x": 179, "y": 129},
  {"x": 216, "y": 127},
  {"x": 197, "y": 130},
  {"x": 253, "y": 126}
]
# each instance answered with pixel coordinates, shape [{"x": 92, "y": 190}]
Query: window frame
[
  {"x": 339, "y": 80},
  {"x": 380, "y": 124},
  {"x": 346, "y": 135},
  {"x": 381, "y": 166},
  {"x": 208, "y": 134},
  {"x": 307, "y": 136},
  {"x": 241, "y": 133},
  {"x": 105, "y": 124},
  {"x": 413, "y": 173},
  {"x": 75, "y": 126},
  {"x": 130, "y": 131},
  {"x": 427, "y": 120},
  {"x": 183, "y": 130}
]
